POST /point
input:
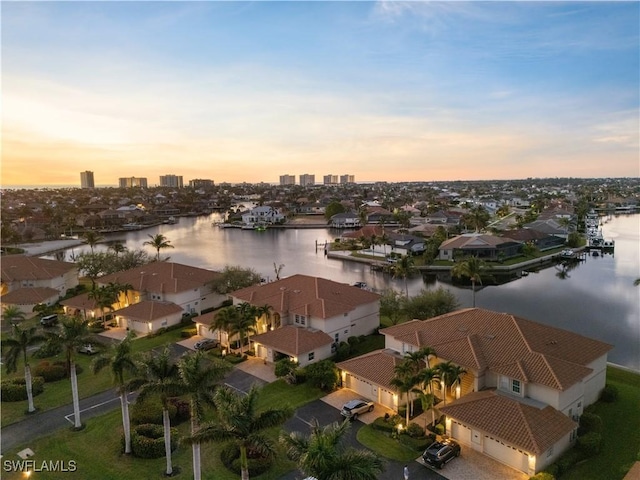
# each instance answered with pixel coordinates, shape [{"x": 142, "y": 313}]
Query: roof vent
[
  {"x": 552, "y": 342},
  {"x": 462, "y": 328},
  {"x": 296, "y": 291},
  {"x": 490, "y": 336}
]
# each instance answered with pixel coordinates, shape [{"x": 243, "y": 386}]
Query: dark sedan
[{"x": 439, "y": 453}]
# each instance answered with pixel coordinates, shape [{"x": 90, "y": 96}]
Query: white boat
[
  {"x": 132, "y": 226},
  {"x": 609, "y": 244}
]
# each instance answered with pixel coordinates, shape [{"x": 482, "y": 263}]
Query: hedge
[
  {"x": 589, "y": 422},
  {"x": 418, "y": 444},
  {"x": 54, "y": 371},
  {"x": 230, "y": 457},
  {"x": 15, "y": 389},
  {"x": 543, "y": 476},
  {"x": 590, "y": 443},
  {"x": 568, "y": 460},
  {"x": 609, "y": 393},
  {"x": 147, "y": 441},
  {"x": 150, "y": 411},
  {"x": 47, "y": 350}
]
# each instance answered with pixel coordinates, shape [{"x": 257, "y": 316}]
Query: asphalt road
[{"x": 45, "y": 423}]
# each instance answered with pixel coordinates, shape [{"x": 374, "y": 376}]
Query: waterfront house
[
  {"x": 484, "y": 246},
  {"x": 541, "y": 240},
  {"x": 190, "y": 288},
  {"x": 309, "y": 316},
  {"x": 345, "y": 220},
  {"x": 263, "y": 214},
  {"x": 550, "y": 227},
  {"x": 29, "y": 281},
  {"x": 149, "y": 316},
  {"x": 525, "y": 387}
]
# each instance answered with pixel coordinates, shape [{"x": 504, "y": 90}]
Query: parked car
[
  {"x": 88, "y": 348},
  {"x": 353, "y": 408},
  {"x": 49, "y": 320},
  {"x": 206, "y": 344},
  {"x": 441, "y": 452}
]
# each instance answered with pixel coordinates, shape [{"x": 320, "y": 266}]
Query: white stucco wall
[{"x": 594, "y": 383}]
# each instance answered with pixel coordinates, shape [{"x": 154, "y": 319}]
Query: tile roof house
[
  {"x": 189, "y": 288},
  {"x": 480, "y": 245},
  {"x": 310, "y": 316},
  {"x": 149, "y": 315},
  {"x": 525, "y": 387},
  {"x": 32, "y": 280}
]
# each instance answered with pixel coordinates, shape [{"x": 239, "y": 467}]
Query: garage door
[
  {"x": 506, "y": 454},
  {"x": 460, "y": 432},
  {"x": 361, "y": 387},
  {"x": 386, "y": 399}
]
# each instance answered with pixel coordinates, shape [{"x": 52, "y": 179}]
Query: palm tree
[
  {"x": 161, "y": 374},
  {"x": 426, "y": 378},
  {"x": 471, "y": 268},
  {"x": 104, "y": 297},
  {"x": 13, "y": 315},
  {"x": 278, "y": 269},
  {"x": 123, "y": 364},
  {"x": 158, "y": 241},
  {"x": 636, "y": 282},
  {"x": 403, "y": 269},
  {"x": 239, "y": 422},
  {"x": 265, "y": 311},
  {"x": 404, "y": 380},
  {"x": 321, "y": 454},
  {"x": 222, "y": 322},
  {"x": 199, "y": 379},
  {"x": 118, "y": 247},
  {"x": 91, "y": 238},
  {"x": 244, "y": 323},
  {"x": 449, "y": 375},
  {"x": 73, "y": 334},
  {"x": 426, "y": 353},
  {"x": 20, "y": 341}
]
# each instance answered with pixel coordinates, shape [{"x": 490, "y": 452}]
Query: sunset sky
[{"x": 249, "y": 91}]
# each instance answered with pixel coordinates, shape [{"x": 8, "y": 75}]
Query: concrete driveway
[
  {"x": 472, "y": 465},
  {"x": 341, "y": 396}
]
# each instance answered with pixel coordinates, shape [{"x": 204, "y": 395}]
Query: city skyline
[{"x": 386, "y": 91}]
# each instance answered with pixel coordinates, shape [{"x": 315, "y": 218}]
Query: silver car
[{"x": 353, "y": 408}]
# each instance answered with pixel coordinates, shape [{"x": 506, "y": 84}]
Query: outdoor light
[
  {"x": 457, "y": 391},
  {"x": 224, "y": 352}
]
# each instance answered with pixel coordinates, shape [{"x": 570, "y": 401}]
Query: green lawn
[
  {"x": 58, "y": 393},
  {"x": 96, "y": 449},
  {"x": 621, "y": 431},
  {"x": 384, "y": 445}
]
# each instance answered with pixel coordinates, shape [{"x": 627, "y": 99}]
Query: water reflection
[{"x": 594, "y": 297}]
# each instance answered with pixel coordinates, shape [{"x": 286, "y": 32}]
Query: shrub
[
  {"x": 47, "y": 350},
  {"x": 230, "y": 457},
  {"x": 414, "y": 430},
  {"x": 343, "y": 351},
  {"x": 568, "y": 460},
  {"x": 440, "y": 428},
  {"x": 590, "y": 443},
  {"x": 323, "y": 375},
  {"x": 352, "y": 340},
  {"x": 609, "y": 393},
  {"x": 416, "y": 443},
  {"x": 383, "y": 424},
  {"x": 183, "y": 410},
  {"x": 150, "y": 411},
  {"x": 51, "y": 372},
  {"x": 543, "y": 476},
  {"x": 589, "y": 422},
  {"x": 15, "y": 389},
  {"x": 188, "y": 332},
  {"x": 552, "y": 470},
  {"x": 147, "y": 441}
]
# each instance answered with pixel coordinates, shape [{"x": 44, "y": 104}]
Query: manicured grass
[
  {"x": 280, "y": 393},
  {"x": 96, "y": 451},
  {"x": 621, "y": 431},
  {"x": 384, "y": 445},
  {"x": 58, "y": 393}
]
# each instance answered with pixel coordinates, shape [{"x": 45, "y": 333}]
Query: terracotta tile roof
[
  {"x": 30, "y": 296},
  {"x": 519, "y": 424},
  {"x": 367, "y": 231},
  {"x": 162, "y": 277},
  {"x": 377, "y": 366},
  {"x": 482, "y": 339},
  {"x": 293, "y": 340},
  {"x": 306, "y": 295},
  {"x": 21, "y": 267},
  {"x": 148, "y": 310},
  {"x": 205, "y": 319},
  {"x": 81, "y": 301}
]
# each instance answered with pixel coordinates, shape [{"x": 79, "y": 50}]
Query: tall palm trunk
[
  {"x": 473, "y": 293},
  {"x": 74, "y": 392},
  {"x": 126, "y": 424},
  {"x": 28, "y": 380},
  {"x": 244, "y": 463},
  {"x": 166, "y": 423},
  {"x": 195, "y": 447}
]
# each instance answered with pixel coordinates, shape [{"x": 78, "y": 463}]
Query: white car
[
  {"x": 88, "y": 349},
  {"x": 353, "y": 408}
]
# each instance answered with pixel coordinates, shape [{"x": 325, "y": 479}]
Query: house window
[
  {"x": 550, "y": 451},
  {"x": 337, "y": 337},
  {"x": 300, "y": 319},
  {"x": 515, "y": 386},
  {"x": 312, "y": 355}
]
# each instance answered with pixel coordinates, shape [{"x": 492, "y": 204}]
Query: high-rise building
[
  {"x": 307, "y": 180},
  {"x": 130, "y": 182},
  {"x": 330, "y": 179},
  {"x": 171, "y": 181},
  {"x": 347, "y": 179},
  {"x": 287, "y": 179},
  {"x": 201, "y": 183},
  {"x": 86, "y": 180}
]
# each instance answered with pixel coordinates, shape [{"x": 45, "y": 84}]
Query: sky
[{"x": 385, "y": 91}]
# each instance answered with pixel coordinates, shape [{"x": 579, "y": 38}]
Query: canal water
[{"x": 595, "y": 298}]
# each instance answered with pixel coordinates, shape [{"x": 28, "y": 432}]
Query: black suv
[{"x": 439, "y": 453}]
